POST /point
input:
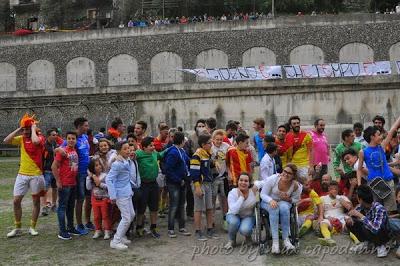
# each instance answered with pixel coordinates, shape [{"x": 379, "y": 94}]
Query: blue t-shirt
[
  {"x": 258, "y": 141},
  {"x": 377, "y": 165},
  {"x": 83, "y": 149}
]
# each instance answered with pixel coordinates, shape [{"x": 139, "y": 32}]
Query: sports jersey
[
  {"x": 238, "y": 162},
  {"x": 300, "y": 143},
  {"x": 31, "y": 155},
  {"x": 315, "y": 200}
]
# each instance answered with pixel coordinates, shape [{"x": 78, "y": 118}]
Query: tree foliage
[{"x": 382, "y": 5}]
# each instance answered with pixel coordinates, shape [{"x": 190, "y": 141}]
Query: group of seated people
[{"x": 327, "y": 213}]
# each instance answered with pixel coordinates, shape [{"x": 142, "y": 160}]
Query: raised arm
[
  {"x": 10, "y": 136},
  {"x": 360, "y": 167},
  {"x": 391, "y": 132},
  {"x": 35, "y": 138}
]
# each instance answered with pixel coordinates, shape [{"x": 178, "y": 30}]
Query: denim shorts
[
  {"x": 81, "y": 191},
  {"x": 50, "y": 180}
]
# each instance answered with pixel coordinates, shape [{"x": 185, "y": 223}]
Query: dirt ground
[{"x": 47, "y": 249}]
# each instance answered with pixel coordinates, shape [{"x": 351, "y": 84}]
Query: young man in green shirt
[
  {"x": 147, "y": 160},
  {"x": 348, "y": 142}
]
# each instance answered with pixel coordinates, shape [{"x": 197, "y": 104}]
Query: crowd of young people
[{"x": 118, "y": 174}]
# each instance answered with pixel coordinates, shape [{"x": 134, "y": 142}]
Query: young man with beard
[
  {"x": 320, "y": 147},
  {"x": 283, "y": 147},
  {"x": 379, "y": 122},
  {"x": 348, "y": 143},
  {"x": 301, "y": 145},
  {"x": 140, "y": 132},
  {"x": 30, "y": 174}
]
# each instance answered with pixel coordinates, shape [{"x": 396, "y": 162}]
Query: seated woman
[
  {"x": 278, "y": 194},
  {"x": 240, "y": 216}
]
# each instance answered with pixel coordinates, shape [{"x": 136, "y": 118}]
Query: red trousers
[{"x": 101, "y": 213}]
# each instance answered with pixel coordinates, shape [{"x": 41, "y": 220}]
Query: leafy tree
[{"x": 382, "y": 5}]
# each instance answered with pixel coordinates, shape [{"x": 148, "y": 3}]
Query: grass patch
[
  {"x": 8, "y": 172},
  {"x": 9, "y": 169},
  {"x": 6, "y": 191}
]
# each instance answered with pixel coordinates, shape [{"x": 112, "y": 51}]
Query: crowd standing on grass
[{"x": 119, "y": 173}]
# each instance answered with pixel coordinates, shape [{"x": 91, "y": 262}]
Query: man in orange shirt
[
  {"x": 30, "y": 174},
  {"x": 238, "y": 159}
]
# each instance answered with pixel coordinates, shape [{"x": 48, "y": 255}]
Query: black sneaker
[
  {"x": 90, "y": 226},
  {"x": 64, "y": 236},
  {"x": 74, "y": 232},
  {"x": 154, "y": 233}
]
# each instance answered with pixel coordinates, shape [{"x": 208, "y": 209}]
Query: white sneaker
[
  {"x": 97, "y": 234},
  {"x": 15, "y": 232},
  {"x": 118, "y": 246},
  {"x": 275, "y": 247},
  {"x": 107, "y": 234},
  {"x": 33, "y": 232},
  {"x": 287, "y": 244},
  {"x": 360, "y": 247},
  {"x": 125, "y": 241},
  {"x": 381, "y": 251}
]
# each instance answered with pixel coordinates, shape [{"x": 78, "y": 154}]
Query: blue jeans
[
  {"x": 177, "y": 198},
  {"x": 49, "y": 180},
  {"x": 81, "y": 191},
  {"x": 282, "y": 212},
  {"x": 243, "y": 225},
  {"x": 66, "y": 204},
  {"x": 394, "y": 224}
]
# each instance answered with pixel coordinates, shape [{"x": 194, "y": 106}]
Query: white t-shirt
[
  {"x": 333, "y": 208},
  {"x": 267, "y": 167},
  {"x": 219, "y": 157},
  {"x": 355, "y": 166}
]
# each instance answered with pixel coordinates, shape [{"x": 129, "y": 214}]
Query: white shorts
[
  {"x": 23, "y": 183},
  {"x": 161, "y": 180}
]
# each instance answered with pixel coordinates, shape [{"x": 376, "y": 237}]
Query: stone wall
[{"x": 132, "y": 73}]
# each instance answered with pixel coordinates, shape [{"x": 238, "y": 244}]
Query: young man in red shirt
[
  {"x": 162, "y": 139},
  {"x": 65, "y": 170}
]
